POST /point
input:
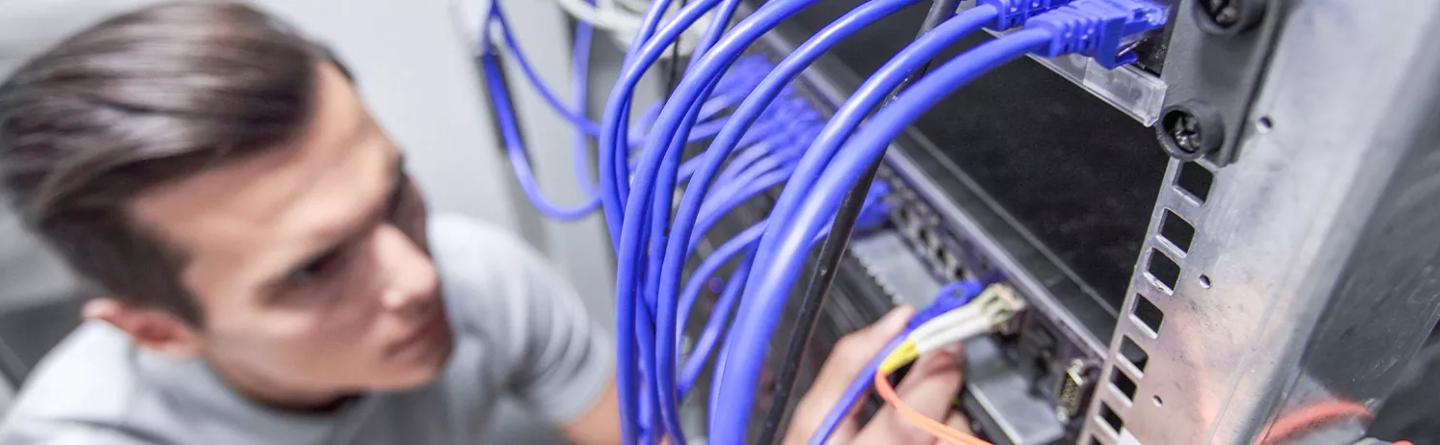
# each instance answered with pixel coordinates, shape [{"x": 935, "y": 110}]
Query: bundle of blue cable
[
  {"x": 731, "y": 88},
  {"x": 656, "y": 182},
  {"x": 811, "y": 197},
  {"x": 772, "y": 137}
]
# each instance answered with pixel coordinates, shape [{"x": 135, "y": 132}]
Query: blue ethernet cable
[
  {"x": 638, "y": 60},
  {"x": 698, "y": 81},
  {"x": 614, "y": 171},
  {"x": 856, "y": 390},
  {"x": 519, "y": 160},
  {"x": 758, "y": 103},
  {"x": 1090, "y": 27},
  {"x": 612, "y": 174},
  {"x": 585, "y": 127},
  {"x": 660, "y": 163},
  {"x": 867, "y": 96},
  {"x": 760, "y": 148},
  {"x": 746, "y": 241},
  {"x": 759, "y": 318},
  {"x": 948, "y": 298},
  {"x": 876, "y": 10},
  {"x": 575, "y": 116},
  {"x": 580, "y": 93},
  {"x": 710, "y": 337},
  {"x": 964, "y": 291},
  {"x": 676, "y": 251},
  {"x": 759, "y": 181},
  {"x": 515, "y": 150},
  {"x": 756, "y": 181},
  {"x": 787, "y": 70},
  {"x": 870, "y": 95}
]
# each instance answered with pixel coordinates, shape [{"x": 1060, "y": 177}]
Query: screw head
[
  {"x": 1229, "y": 17},
  {"x": 1190, "y": 130}
]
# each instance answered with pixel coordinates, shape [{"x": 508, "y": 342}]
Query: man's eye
[
  {"x": 397, "y": 197},
  {"x": 314, "y": 270}
]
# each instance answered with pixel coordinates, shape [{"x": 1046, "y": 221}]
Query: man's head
[{"x": 218, "y": 175}]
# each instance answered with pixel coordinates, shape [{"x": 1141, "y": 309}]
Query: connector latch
[
  {"x": 1099, "y": 29},
  {"x": 1013, "y": 13}
]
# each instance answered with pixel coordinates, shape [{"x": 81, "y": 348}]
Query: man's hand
[{"x": 930, "y": 388}]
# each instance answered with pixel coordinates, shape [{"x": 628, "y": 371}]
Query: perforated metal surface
[{"x": 1312, "y": 272}]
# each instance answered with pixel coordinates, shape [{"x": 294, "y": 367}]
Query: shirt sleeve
[
  {"x": 72, "y": 434},
  {"x": 538, "y": 340}
]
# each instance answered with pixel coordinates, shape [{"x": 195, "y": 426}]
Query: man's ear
[{"x": 154, "y": 329}]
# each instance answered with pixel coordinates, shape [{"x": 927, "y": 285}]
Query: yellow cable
[{"x": 900, "y": 357}]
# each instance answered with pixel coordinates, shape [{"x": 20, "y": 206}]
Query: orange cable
[
  {"x": 1305, "y": 419},
  {"x": 939, "y": 430}
]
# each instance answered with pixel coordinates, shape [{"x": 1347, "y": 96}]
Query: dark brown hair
[{"x": 139, "y": 100}]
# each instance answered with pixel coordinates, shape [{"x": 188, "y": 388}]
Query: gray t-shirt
[{"x": 520, "y": 330}]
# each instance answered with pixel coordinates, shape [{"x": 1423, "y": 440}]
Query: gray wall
[{"x": 415, "y": 70}]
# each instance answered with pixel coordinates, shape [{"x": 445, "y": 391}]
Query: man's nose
[{"x": 409, "y": 274}]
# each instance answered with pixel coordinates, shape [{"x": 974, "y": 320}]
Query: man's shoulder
[
  {"x": 86, "y": 383},
  {"x": 472, "y": 254},
  {"x": 458, "y": 235}
]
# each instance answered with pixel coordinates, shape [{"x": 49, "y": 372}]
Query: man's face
[{"x": 308, "y": 262}]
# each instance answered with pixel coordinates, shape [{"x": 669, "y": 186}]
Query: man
[{"x": 271, "y": 271}]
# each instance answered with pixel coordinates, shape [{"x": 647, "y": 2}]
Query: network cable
[
  {"x": 827, "y": 261},
  {"x": 515, "y": 151},
  {"x": 1095, "y": 28},
  {"x": 746, "y": 113},
  {"x": 519, "y": 161},
  {"x": 730, "y": 86},
  {"x": 576, "y": 115},
  {"x": 655, "y": 179},
  {"x": 580, "y": 92},
  {"x": 659, "y": 208},
  {"x": 614, "y": 190},
  {"x": 953, "y": 317},
  {"x": 613, "y": 163},
  {"x": 744, "y": 242},
  {"x": 846, "y": 118},
  {"x": 623, "y": 19}
]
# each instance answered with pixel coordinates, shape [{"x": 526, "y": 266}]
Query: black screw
[
  {"x": 1186, "y": 132},
  {"x": 1229, "y": 17},
  {"x": 1223, "y": 12},
  {"x": 1190, "y": 130}
]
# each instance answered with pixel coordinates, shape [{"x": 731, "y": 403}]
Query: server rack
[{"x": 1247, "y": 258}]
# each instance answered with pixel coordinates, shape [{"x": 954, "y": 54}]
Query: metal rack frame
[{"x": 1278, "y": 296}]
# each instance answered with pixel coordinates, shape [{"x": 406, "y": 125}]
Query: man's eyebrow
[{"x": 373, "y": 216}]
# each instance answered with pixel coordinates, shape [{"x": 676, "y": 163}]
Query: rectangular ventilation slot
[
  {"x": 1111, "y": 419},
  {"x": 1164, "y": 269},
  {"x": 1122, "y": 383},
  {"x": 1148, "y": 314},
  {"x": 1132, "y": 353},
  {"x": 1195, "y": 180},
  {"x": 1178, "y": 231}
]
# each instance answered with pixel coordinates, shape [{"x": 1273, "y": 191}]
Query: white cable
[
  {"x": 608, "y": 18},
  {"x": 623, "y": 18},
  {"x": 987, "y": 313}
]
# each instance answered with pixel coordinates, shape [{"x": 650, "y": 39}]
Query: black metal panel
[{"x": 1075, "y": 173}]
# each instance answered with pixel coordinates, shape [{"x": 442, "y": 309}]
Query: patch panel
[{"x": 1054, "y": 369}]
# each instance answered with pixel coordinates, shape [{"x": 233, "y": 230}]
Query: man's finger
[
  {"x": 930, "y": 389},
  {"x": 850, "y": 356},
  {"x": 959, "y": 422}
]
